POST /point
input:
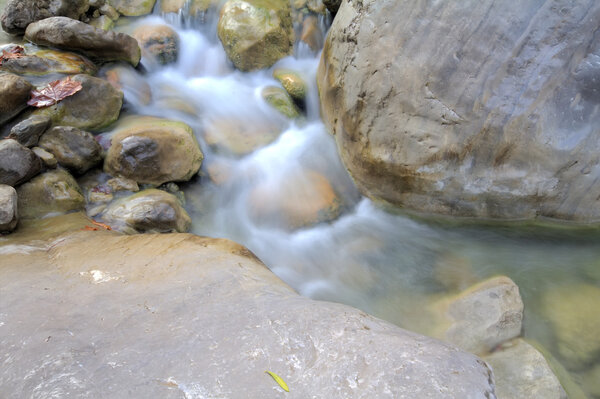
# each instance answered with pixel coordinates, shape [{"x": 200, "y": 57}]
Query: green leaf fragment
[{"x": 279, "y": 380}]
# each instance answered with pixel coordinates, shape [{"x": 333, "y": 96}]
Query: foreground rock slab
[
  {"x": 178, "y": 315},
  {"x": 470, "y": 108}
]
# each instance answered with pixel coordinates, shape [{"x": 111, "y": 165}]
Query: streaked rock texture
[{"x": 474, "y": 108}]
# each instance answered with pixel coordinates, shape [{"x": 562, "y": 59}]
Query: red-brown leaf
[
  {"x": 54, "y": 92},
  {"x": 13, "y": 52}
]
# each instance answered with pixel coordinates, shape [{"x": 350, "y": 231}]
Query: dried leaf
[
  {"x": 104, "y": 226},
  {"x": 89, "y": 228},
  {"x": 54, "y": 92},
  {"x": 279, "y": 380},
  {"x": 14, "y": 52}
]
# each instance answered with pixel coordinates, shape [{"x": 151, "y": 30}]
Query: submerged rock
[
  {"x": 154, "y": 211},
  {"x": 73, "y": 148},
  {"x": 14, "y": 94},
  {"x": 239, "y": 137},
  {"x": 68, "y": 34},
  {"x": 52, "y": 192},
  {"x": 153, "y": 151},
  {"x": 482, "y": 317},
  {"x": 572, "y": 312},
  {"x": 312, "y": 34},
  {"x": 159, "y": 43},
  {"x": 28, "y": 131},
  {"x": 133, "y": 8},
  {"x": 256, "y": 33},
  {"x": 521, "y": 371},
  {"x": 94, "y": 107},
  {"x": 180, "y": 315},
  {"x": 17, "y": 163},
  {"x": 9, "y": 216},
  {"x": 479, "y": 109},
  {"x": 279, "y": 99},
  {"x": 18, "y": 14}
]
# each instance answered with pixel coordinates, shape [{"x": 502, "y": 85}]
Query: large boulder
[
  {"x": 133, "y": 8},
  {"x": 256, "y": 33},
  {"x": 68, "y": 34},
  {"x": 73, "y": 148},
  {"x": 96, "y": 314},
  {"x": 52, "y": 192},
  {"x": 14, "y": 94},
  {"x": 18, "y": 14},
  {"x": 481, "y": 317},
  {"x": 468, "y": 108},
  {"x": 96, "y": 106},
  {"x": 153, "y": 151},
  {"x": 148, "y": 211},
  {"x": 17, "y": 163},
  {"x": 8, "y": 209}
]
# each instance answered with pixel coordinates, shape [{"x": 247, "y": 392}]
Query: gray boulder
[
  {"x": 69, "y": 34},
  {"x": 17, "y": 163},
  {"x": 8, "y": 209},
  {"x": 150, "y": 210},
  {"x": 177, "y": 315},
  {"x": 73, "y": 148},
  {"x": 14, "y": 94},
  {"x": 468, "y": 108},
  {"x": 18, "y": 14},
  {"x": 28, "y": 131}
]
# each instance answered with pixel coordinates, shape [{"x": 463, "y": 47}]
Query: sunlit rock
[
  {"x": 73, "y": 148},
  {"x": 521, "y": 371},
  {"x": 256, "y": 33},
  {"x": 102, "y": 22},
  {"x": 68, "y": 34},
  {"x": 293, "y": 83},
  {"x": 153, "y": 150},
  {"x": 28, "y": 131},
  {"x": 148, "y": 211},
  {"x": 482, "y": 317},
  {"x": 179, "y": 315},
  {"x": 292, "y": 200},
  {"x": 52, "y": 192},
  {"x": 18, "y": 14},
  {"x": 572, "y": 312},
  {"x": 159, "y": 43},
  {"x": 17, "y": 163},
  {"x": 279, "y": 99},
  {"x": 133, "y": 8},
  {"x": 94, "y": 107},
  {"x": 9, "y": 216},
  {"x": 14, "y": 94},
  {"x": 475, "y": 109}
]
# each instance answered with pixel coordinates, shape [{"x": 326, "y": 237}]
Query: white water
[{"x": 389, "y": 265}]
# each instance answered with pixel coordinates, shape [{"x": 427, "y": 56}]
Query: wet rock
[
  {"x": 44, "y": 62},
  {"x": 153, "y": 151},
  {"x": 133, "y": 8},
  {"x": 237, "y": 137},
  {"x": 573, "y": 314},
  {"x": 256, "y": 33},
  {"x": 521, "y": 371},
  {"x": 52, "y": 192},
  {"x": 293, "y": 83},
  {"x": 150, "y": 210},
  {"x": 482, "y": 317},
  {"x": 312, "y": 33},
  {"x": 18, "y": 14},
  {"x": 182, "y": 301},
  {"x": 73, "y": 148},
  {"x": 135, "y": 87},
  {"x": 8, "y": 209},
  {"x": 109, "y": 11},
  {"x": 68, "y": 34},
  {"x": 591, "y": 381},
  {"x": 454, "y": 272},
  {"x": 17, "y": 163},
  {"x": 14, "y": 94},
  {"x": 94, "y": 107},
  {"x": 159, "y": 43},
  {"x": 195, "y": 7},
  {"x": 296, "y": 199},
  {"x": 102, "y": 22},
  {"x": 47, "y": 159},
  {"x": 122, "y": 184},
  {"x": 28, "y": 131},
  {"x": 279, "y": 99},
  {"x": 469, "y": 109},
  {"x": 332, "y": 5}
]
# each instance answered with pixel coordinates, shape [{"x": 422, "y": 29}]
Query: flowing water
[{"x": 388, "y": 264}]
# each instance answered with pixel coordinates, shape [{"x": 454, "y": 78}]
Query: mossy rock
[
  {"x": 279, "y": 99},
  {"x": 133, "y": 8},
  {"x": 293, "y": 83}
]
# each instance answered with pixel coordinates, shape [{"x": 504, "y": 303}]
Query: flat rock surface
[{"x": 97, "y": 314}]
